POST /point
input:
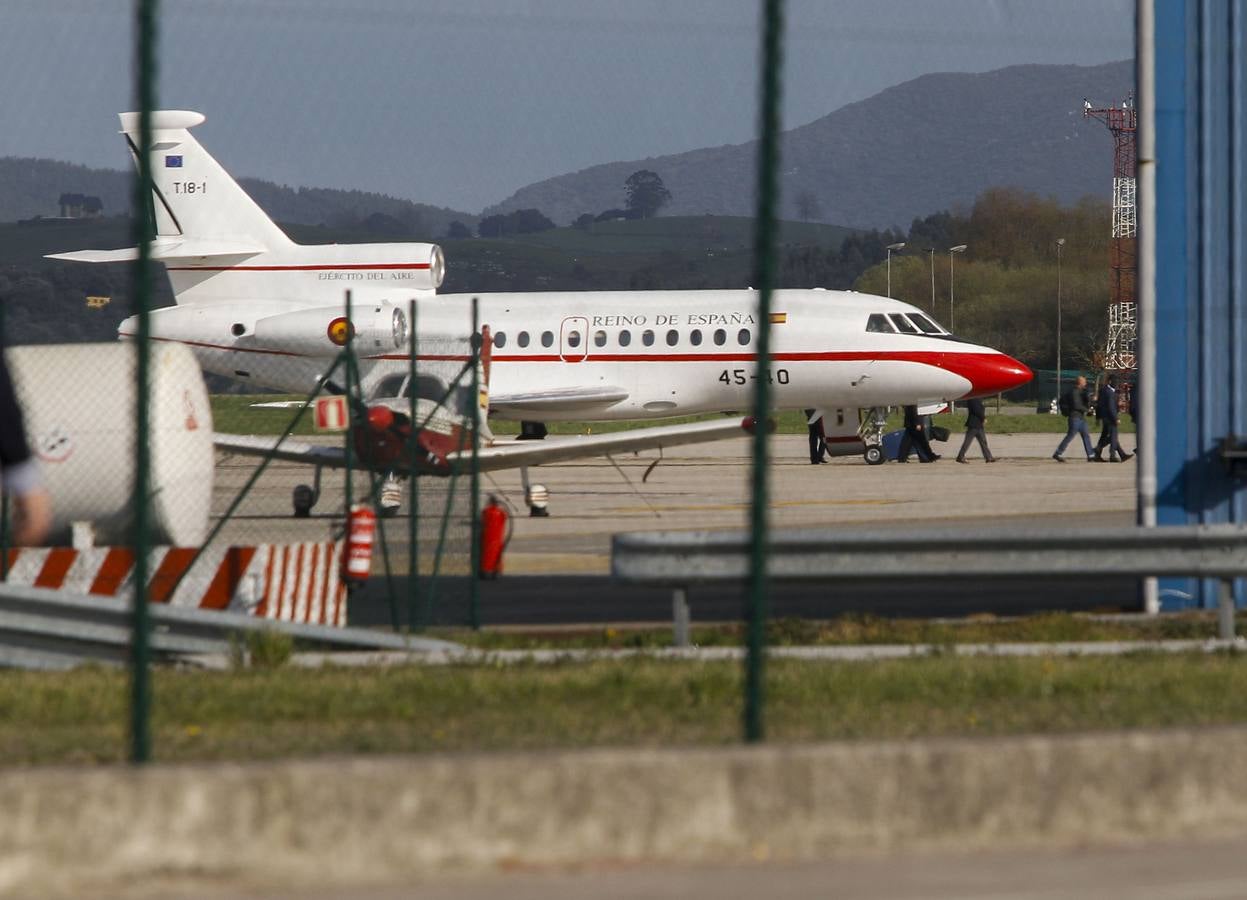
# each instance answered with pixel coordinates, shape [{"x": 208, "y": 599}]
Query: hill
[
  {"x": 935, "y": 142},
  {"x": 32, "y": 187},
  {"x": 43, "y": 300}
]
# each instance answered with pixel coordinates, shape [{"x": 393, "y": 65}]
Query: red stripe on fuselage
[
  {"x": 927, "y": 357},
  {"x": 349, "y": 267}
]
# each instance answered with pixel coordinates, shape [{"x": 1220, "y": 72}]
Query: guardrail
[
  {"x": 46, "y": 629},
  {"x": 684, "y": 559}
]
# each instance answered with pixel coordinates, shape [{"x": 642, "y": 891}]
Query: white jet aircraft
[{"x": 256, "y": 307}]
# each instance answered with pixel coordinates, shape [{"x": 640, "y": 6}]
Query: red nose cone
[
  {"x": 380, "y": 418},
  {"x": 991, "y": 373}
]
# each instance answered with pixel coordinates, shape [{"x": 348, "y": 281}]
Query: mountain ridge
[{"x": 933, "y": 142}]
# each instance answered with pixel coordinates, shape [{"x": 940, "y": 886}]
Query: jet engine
[{"x": 376, "y": 328}]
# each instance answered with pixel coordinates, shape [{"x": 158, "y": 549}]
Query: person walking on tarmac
[
  {"x": 1074, "y": 404},
  {"x": 976, "y": 417},
  {"x": 915, "y": 439},
  {"x": 1106, "y": 411},
  {"x": 818, "y": 437}
]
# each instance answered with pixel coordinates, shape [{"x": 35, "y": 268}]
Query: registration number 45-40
[{"x": 742, "y": 376}]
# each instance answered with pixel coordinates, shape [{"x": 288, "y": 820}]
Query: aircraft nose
[{"x": 991, "y": 373}]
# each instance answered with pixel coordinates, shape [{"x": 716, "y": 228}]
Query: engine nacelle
[{"x": 378, "y": 328}]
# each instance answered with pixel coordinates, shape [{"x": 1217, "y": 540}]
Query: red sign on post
[{"x": 331, "y": 413}]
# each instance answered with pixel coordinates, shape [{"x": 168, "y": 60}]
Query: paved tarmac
[{"x": 557, "y": 569}]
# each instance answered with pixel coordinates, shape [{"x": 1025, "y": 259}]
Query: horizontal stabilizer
[{"x": 165, "y": 251}]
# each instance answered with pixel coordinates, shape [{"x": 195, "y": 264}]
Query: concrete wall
[{"x": 361, "y": 819}]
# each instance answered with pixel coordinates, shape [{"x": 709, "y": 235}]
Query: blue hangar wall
[{"x": 1201, "y": 243}]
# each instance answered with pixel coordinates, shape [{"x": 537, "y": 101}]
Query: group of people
[
  {"x": 1076, "y": 403},
  {"x": 915, "y": 440}
]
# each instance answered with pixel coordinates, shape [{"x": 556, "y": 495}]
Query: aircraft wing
[
  {"x": 509, "y": 454},
  {"x": 513, "y": 454},
  {"x": 290, "y": 451},
  {"x": 559, "y": 400}
]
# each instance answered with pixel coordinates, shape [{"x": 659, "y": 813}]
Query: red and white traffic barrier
[{"x": 290, "y": 582}]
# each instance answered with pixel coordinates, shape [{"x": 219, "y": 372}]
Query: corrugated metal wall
[{"x": 1201, "y": 329}]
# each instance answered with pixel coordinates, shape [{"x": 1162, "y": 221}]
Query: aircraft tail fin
[{"x": 194, "y": 200}]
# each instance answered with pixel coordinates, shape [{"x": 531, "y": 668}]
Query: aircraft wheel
[
  {"x": 874, "y": 456},
  {"x": 304, "y": 499}
]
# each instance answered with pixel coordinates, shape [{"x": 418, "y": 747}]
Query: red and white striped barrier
[{"x": 291, "y": 582}]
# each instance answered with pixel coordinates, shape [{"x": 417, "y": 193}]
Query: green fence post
[
  {"x": 348, "y": 348},
  {"x": 413, "y": 491},
  {"x": 144, "y": 227},
  {"x": 764, "y": 263},
  {"x": 478, "y": 343}
]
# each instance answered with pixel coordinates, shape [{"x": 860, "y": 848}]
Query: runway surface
[{"x": 557, "y": 569}]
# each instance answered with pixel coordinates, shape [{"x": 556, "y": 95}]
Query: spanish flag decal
[{"x": 779, "y": 318}]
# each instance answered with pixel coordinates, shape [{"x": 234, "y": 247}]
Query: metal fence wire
[{"x": 152, "y": 487}]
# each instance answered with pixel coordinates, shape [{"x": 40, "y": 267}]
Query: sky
[{"x": 459, "y": 103}]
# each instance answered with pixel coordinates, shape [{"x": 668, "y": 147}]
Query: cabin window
[
  {"x": 625, "y": 338},
  {"x": 673, "y": 337},
  {"x": 742, "y": 336},
  {"x": 903, "y": 325},
  {"x": 720, "y": 337},
  {"x": 879, "y": 324},
  {"x": 694, "y": 337},
  {"x": 647, "y": 338},
  {"x": 925, "y": 324},
  {"x": 547, "y": 338},
  {"x": 238, "y": 329},
  {"x": 500, "y": 338},
  {"x": 573, "y": 338},
  {"x": 522, "y": 339},
  {"x": 599, "y": 338}
]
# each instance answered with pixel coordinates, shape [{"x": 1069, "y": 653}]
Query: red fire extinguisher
[
  {"x": 495, "y": 534},
  {"x": 361, "y": 528}
]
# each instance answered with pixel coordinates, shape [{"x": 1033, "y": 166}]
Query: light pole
[
  {"x": 952, "y": 294},
  {"x": 1060, "y": 242},
  {"x": 898, "y": 246},
  {"x": 931, "y": 252}
]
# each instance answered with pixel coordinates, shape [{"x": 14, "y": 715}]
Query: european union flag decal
[{"x": 173, "y": 162}]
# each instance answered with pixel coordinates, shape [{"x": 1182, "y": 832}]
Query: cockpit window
[
  {"x": 390, "y": 386},
  {"x": 879, "y": 324},
  {"x": 428, "y": 387},
  {"x": 927, "y": 326},
  {"x": 903, "y": 325}
]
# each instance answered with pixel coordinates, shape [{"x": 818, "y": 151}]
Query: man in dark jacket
[
  {"x": 19, "y": 473},
  {"x": 1106, "y": 411},
  {"x": 915, "y": 439},
  {"x": 818, "y": 438},
  {"x": 976, "y": 417},
  {"x": 1074, "y": 404}
]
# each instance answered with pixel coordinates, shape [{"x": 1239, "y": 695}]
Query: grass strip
[
  {"x": 80, "y": 716},
  {"x": 859, "y": 629},
  {"x": 236, "y": 414}
]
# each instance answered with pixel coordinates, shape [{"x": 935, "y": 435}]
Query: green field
[{"x": 81, "y": 716}]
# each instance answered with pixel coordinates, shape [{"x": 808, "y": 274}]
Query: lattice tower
[{"x": 1122, "y": 122}]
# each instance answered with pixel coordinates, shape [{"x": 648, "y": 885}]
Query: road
[{"x": 1213, "y": 868}]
